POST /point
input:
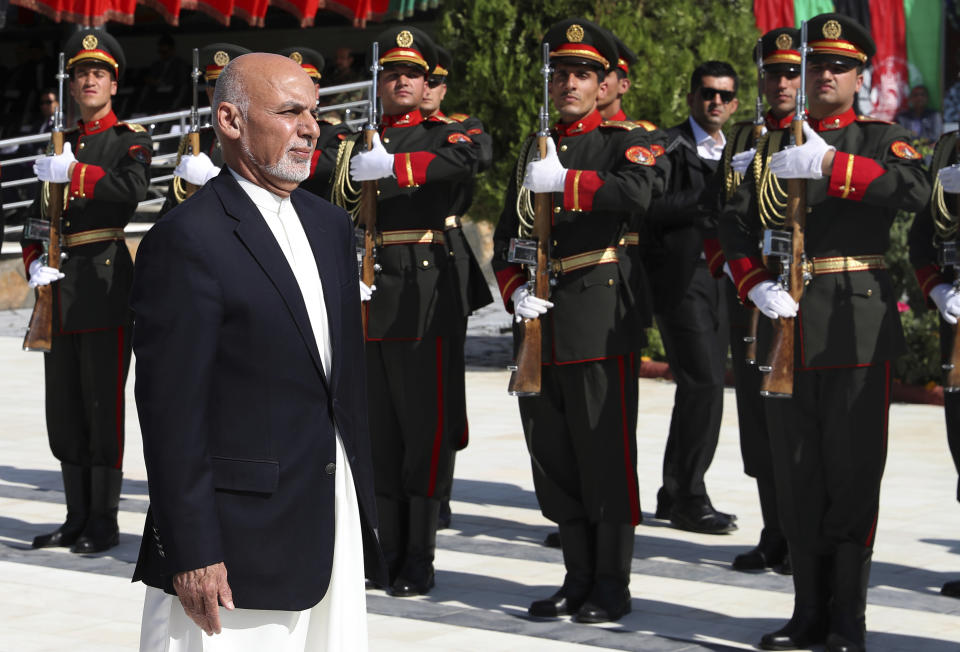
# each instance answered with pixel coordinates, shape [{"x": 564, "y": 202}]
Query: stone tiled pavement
[{"x": 490, "y": 564}]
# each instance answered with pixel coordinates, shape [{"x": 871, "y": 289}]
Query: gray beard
[{"x": 285, "y": 170}]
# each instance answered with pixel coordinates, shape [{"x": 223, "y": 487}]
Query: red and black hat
[
  {"x": 310, "y": 60},
  {"x": 215, "y": 57},
  {"x": 403, "y": 45},
  {"x": 581, "y": 41},
  {"x": 835, "y": 38},
  {"x": 780, "y": 50},
  {"x": 625, "y": 56},
  {"x": 444, "y": 64},
  {"x": 95, "y": 46}
]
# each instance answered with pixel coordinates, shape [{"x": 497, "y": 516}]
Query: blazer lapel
[{"x": 262, "y": 245}]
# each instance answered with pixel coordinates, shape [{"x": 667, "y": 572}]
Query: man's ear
[
  {"x": 228, "y": 120},
  {"x": 624, "y": 85},
  {"x": 113, "y": 88}
]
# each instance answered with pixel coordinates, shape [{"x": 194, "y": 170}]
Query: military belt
[
  {"x": 586, "y": 259},
  {"x": 410, "y": 236},
  {"x": 632, "y": 238},
  {"x": 90, "y": 237},
  {"x": 451, "y": 222},
  {"x": 839, "y": 264}
]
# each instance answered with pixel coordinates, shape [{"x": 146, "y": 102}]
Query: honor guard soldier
[
  {"x": 414, "y": 316},
  {"x": 828, "y": 434},
  {"x": 106, "y": 166},
  {"x": 202, "y": 166},
  {"x": 474, "y": 292},
  {"x": 581, "y": 427},
  {"x": 333, "y": 130},
  {"x": 779, "y": 61},
  {"x": 933, "y": 254}
]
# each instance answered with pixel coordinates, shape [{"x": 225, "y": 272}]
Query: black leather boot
[
  {"x": 76, "y": 490},
  {"x": 808, "y": 625},
  {"x": 101, "y": 532},
  {"x": 392, "y": 516},
  {"x": 609, "y": 598},
  {"x": 416, "y": 573},
  {"x": 851, "y": 576},
  {"x": 578, "y": 556},
  {"x": 772, "y": 549}
]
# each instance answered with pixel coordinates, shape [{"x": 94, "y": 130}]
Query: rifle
[
  {"x": 750, "y": 354},
  {"x": 39, "y": 335},
  {"x": 367, "y": 214},
  {"x": 787, "y": 245},
  {"x": 183, "y": 189},
  {"x": 951, "y": 383},
  {"x": 525, "y": 376}
]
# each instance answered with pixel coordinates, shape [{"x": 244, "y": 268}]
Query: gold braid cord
[
  {"x": 945, "y": 222},
  {"x": 738, "y": 143},
  {"x": 771, "y": 197},
  {"x": 525, "y": 213},
  {"x": 45, "y": 199},
  {"x": 178, "y": 184},
  {"x": 344, "y": 193}
]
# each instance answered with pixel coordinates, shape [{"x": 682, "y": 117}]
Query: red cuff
[
  {"x": 410, "y": 168},
  {"x": 929, "y": 277},
  {"x": 31, "y": 251},
  {"x": 715, "y": 257},
  {"x": 852, "y": 175},
  {"x": 313, "y": 161},
  {"x": 85, "y": 177},
  {"x": 747, "y": 272},
  {"x": 509, "y": 279},
  {"x": 579, "y": 188}
]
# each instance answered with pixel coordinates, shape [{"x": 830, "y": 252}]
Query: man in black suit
[
  {"x": 250, "y": 391},
  {"x": 688, "y": 302}
]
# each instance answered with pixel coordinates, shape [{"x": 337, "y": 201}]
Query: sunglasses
[
  {"x": 433, "y": 82},
  {"x": 707, "y": 94}
]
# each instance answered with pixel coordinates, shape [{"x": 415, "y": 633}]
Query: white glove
[
  {"x": 947, "y": 300},
  {"x": 55, "y": 168},
  {"x": 547, "y": 175},
  {"x": 527, "y": 305},
  {"x": 40, "y": 274},
  {"x": 375, "y": 163},
  {"x": 366, "y": 292},
  {"x": 196, "y": 169},
  {"x": 950, "y": 178},
  {"x": 729, "y": 272},
  {"x": 772, "y": 300},
  {"x": 740, "y": 162},
  {"x": 803, "y": 162}
]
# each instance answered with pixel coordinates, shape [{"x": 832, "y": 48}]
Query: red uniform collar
[
  {"x": 402, "y": 119},
  {"x": 437, "y": 117},
  {"x": 775, "y": 124},
  {"x": 95, "y": 127},
  {"x": 619, "y": 116},
  {"x": 588, "y": 123},
  {"x": 833, "y": 122}
]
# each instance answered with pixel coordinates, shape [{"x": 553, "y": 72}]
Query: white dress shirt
[{"x": 707, "y": 147}]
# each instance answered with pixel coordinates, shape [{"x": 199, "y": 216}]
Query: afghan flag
[{"x": 909, "y": 38}]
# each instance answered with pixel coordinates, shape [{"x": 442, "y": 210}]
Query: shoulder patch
[
  {"x": 140, "y": 154},
  {"x": 641, "y": 155},
  {"x": 459, "y": 117},
  {"x": 626, "y": 125},
  {"x": 902, "y": 149},
  {"x": 458, "y": 138},
  {"x": 657, "y": 150},
  {"x": 646, "y": 124},
  {"x": 867, "y": 118},
  {"x": 475, "y": 131},
  {"x": 133, "y": 126}
]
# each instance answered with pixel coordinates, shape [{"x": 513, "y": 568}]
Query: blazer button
[{"x": 331, "y": 468}]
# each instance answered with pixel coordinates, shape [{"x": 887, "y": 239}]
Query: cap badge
[
  {"x": 405, "y": 39},
  {"x": 832, "y": 29},
  {"x": 575, "y": 33},
  {"x": 297, "y": 57},
  {"x": 90, "y": 42},
  {"x": 784, "y": 42},
  {"x": 221, "y": 58}
]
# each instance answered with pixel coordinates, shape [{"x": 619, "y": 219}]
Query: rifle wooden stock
[
  {"x": 39, "y": 335},
  {"x": 952, "y": 382},
  {"x": 778, "y": 382},
  {"x": 367, "y": 218},
  {"x": 194, "y": 139},
  {"x": 525, "y": 379}
]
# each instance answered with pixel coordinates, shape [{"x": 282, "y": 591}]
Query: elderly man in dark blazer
[{"x": 250, "y": 391}]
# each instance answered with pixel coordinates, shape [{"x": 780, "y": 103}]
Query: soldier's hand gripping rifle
[
  {"x": 39, "y": 335},
  {"x": 525, "y": 379},
  {"x": 950, "y": 259},
  {"x": 750, "y": 339},
  {"x": 787, "y": 245},
  {"x": 367, "y": 213}
]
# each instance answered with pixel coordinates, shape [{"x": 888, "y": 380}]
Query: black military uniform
[
  {"x": 581, "y": 429},
  {"x": 934, "y": 225},
  {"x": 829, "y": 439},
  {"x": 213, "y": 59},
  {"x": 414, "y": 321},
  {"x": 86, "y": 368}
]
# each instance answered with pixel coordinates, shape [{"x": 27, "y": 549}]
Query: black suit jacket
[
  {"x": 674, "y": 224},
  {"x": 236, "y": 412}
]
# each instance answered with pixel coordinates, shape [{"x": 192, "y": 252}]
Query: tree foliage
[{"x": 495, "y": 74}]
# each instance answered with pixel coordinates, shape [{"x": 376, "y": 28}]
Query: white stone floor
[{"x": 490, "y": 564}]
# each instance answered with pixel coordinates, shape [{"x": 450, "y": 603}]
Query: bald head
[{"x": 263, "y": 107}]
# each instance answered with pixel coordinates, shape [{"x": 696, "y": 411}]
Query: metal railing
[{"x": 354, "y": 113}]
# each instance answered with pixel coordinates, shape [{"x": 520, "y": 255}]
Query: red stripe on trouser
[
  {"x": 627, "y": 460},
  {"x": 119, "y": 405},
  {"x": 438, "y": 436},
  {"x": 886, "y": 415}
]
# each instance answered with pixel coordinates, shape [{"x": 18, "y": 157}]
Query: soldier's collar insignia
[
  {"x": 833, "y": 122},
  {"x": 402, "y": 119},
  {"x": 296, "y": 56},
  {"x": 90, "y": 42},
  {"x": 832, "y": 30},
  {"x": 582, "y": 126},
  {"x": 575, "y": 33},
  {"x": 405, "y": 39},
  {"x": 904, "y": 150},
  {"x": 784, "y": 42},
  {"x": 221, "y": 58}
]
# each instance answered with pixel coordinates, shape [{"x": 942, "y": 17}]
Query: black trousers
[
  {"x": 695, "y": 335},
  {"x": 84, "y": 376},
  {"x": 408, "y": 392},
  {"x": 581, "y": 436},
  {"x": 951, "y": 401},
  {"x": 829, "y": 444}
]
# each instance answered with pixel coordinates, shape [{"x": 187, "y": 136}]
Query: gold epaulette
[
  {"x": 133, "y": 126},
  {"x": 646, "y": 124},
  {"x": 459, "y": 117},
  {"x": 445, "y": 119},
  {"x": 626, "y": 125},
  {"x": 870, "y": 118},
  {"x": 330, "y": 119}
]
